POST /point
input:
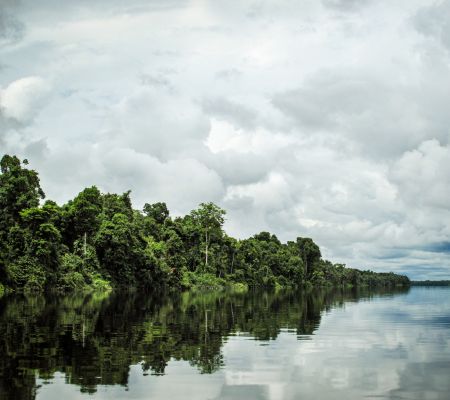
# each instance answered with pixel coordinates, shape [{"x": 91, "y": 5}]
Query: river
[{"x": 324, "y": 344}]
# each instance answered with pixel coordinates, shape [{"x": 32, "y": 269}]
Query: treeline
[
  {"x": 430, "y": 283},
  {"x": 99, "y": 240}
]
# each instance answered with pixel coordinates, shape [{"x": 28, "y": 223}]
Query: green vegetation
[
  {"x": 99, "y": 241},
  {"x": 430, "y": 283}
]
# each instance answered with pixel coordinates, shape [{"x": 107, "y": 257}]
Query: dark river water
[{"x": 324, "y": 344}]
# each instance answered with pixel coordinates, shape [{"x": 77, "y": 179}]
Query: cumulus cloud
[
  {"x": 182, "y": 183},
  {"x": 432, "y": 21},
  {"x": 11, "y": 29},
  {"x": 229, "y": 110},
  {"x": 324, "y": 119},
  {"x": 345, "y": 5},
  {"x": 381, "y": 117},
  {"x": 422, "y": 175},
  {"x": 158, "y": 123},
  {"x": 22, "y": 99}
]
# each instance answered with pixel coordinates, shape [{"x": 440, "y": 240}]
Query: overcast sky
[{"x": 326, "y": 119}]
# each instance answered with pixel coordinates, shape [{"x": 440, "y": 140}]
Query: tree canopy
[{"x": 99, "y": 240}]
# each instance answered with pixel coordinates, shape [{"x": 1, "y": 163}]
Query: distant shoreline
[{"x": 431, "y": 283}]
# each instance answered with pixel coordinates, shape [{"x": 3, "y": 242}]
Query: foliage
[
  {"x": 26, "y": 273},
  {"x": 208, "y": 219},
  {"x": 431, "y": 283},
  {"x": 100, "y": 284},
  {"x": 99, "y": 240},
  {"x": 72, "y": 280},
  {"x": 202, "y": 281}
]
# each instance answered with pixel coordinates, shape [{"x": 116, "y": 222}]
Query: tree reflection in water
[{"x": 94, "y": 338}]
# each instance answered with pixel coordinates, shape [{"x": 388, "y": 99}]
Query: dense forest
[{"x": 98, "y": 240}]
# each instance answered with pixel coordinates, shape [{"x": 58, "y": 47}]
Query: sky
[{"x": 326, "y": 119}]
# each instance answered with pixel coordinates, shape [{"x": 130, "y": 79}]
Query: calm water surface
[{"x": 259, "y": 345}]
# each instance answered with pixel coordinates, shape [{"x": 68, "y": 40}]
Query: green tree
[
  {"x": 97, "y": 237},
  {"x": 117, "y": 204},
  {"x": 157, "y": 211},
  {"x": 156, "y": 219},
  {"x": 310, "y": 254},
  {"x": 117, "y": 249},
  {"x": 19, "y": 189},
  {"x": 83, "y": 215},
  {"x": 210, "y": 218}
]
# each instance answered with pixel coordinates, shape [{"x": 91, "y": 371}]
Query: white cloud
[
  {"x": 432, "y": 21},
  {"x": 324, "y": 119},
  {"x": 422, "y": 175},
  {"x": 183, "y": 183},
  {"x": 22, "y": 99},
  {"x": 382, "y": 118},
  {"x": 158, "y": 123}
]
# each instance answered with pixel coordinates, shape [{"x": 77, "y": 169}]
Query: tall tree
[
  {"x": 310, "y": 254},
  {"x": 210, "y": 219},
  {"x": 83, "y": 215},
  {"x": 19, "y": 189},
  {"x": 157, "y": 211}
]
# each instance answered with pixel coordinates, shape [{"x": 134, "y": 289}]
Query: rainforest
[{"x": 99, "y": 241}]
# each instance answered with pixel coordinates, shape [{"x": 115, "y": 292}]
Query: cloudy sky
[{"x": 327, "y": 119}]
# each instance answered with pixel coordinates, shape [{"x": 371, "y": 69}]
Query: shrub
[
  {"x": 27, "y": 273},
  {"x": 71, "y": 280},
  {"x": 239, "y": 287},
  {"x": 98, "y": 283},
  {"x": 71, "y": 262},
  {"x": 206, "y": 281}
]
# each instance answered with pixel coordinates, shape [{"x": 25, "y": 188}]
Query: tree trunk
[
  {"x": 206, "y": 252},
  {"x": 306, "y": 267},
  {"x": 85, "y": 247},
  {"x": 232, "y": 262}
]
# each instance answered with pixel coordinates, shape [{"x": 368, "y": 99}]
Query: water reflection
[{"x": 94, "y": 341}]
